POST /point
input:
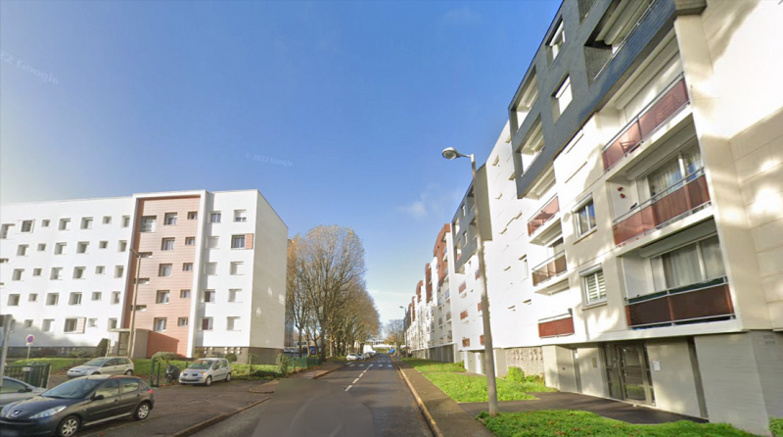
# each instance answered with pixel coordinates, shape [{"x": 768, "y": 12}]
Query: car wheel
[
  {"x": 208, "y": 381},
  {"x": 68, "y": 426},
  {"x": 129, "y": 372},
  {"x": 228, "y": 376},
  {"x": 142, "y": 411},
  {"x": 96, "y": 373}
]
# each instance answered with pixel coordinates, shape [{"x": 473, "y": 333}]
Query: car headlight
[
  {"x": 49, "y": 412},
  {"x": 6, "y": 409}
]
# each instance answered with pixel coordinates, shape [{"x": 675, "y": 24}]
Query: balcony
[
  {"x": 462, "y": 287},
  {"x": 549, "y": 268},
  {"x": 544, "y": 215},
  {"x": 700, "y": 302},
  {"x": 463, "y": 315},
  {"x": 674, "y": 203},
  {"x": 555, "y": 328},
  {"x": 448, "y": 316},
  {"x": 653, "y": 116}
]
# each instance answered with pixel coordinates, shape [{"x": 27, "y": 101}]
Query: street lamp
[
  {"x": 489, "y": 359},
  {"x": 132, "y": 338}
]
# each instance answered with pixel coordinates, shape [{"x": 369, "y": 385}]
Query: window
[
  {"x": 112, "y": 323},
  {"x": 28, "y": 323},
  {"x": 21, "y": 250},
  {"x": 585, "y": 217},
  {"x": 192, "y": 215},
  {"x": 4, "y": 231},
  {"x": 525, "y": 269},
  {"x": 45, "y": 223},
  {"x": 115, "y": 297},
  {"x": 182, "y": 321},
  {"x": 99, "y": 270},
  {"x": 37, "y": 272},
  {"x": 190, "y": 241},
  {"x": 57, "y": 273},
  {"x": 240, "y": 215},
  {"x": 118, "y": 271},
  {"x": 148, "y": 223},
  {"x": 81, "y": 247},
  {"x": 75, "y": 299},
  {"x": 78, "y": 273},
  {"x": 237, "y": 241},
  {"x": 59, "y": 248},
  {"x": 167, "y": 244},
  {"x": 562, "y": 97},
  {"x": 693, "y": 263},
  {"x": 96, "y": 295},
  {"x": 27, "y": 226},
  {"x": 162, "y": 296},
  {"x": 593, "y": 286},
  {"x": 214, "y": 217},
  {"x": 210, "y": 269},
  {"x": 170, "y": 219},
  {"x": 65, "y": 224},
  {"x": 32, "y": 297},
  {"x": 140, "y": 308},
  {"x": 42, "y": 247},
  {"x": 13, "y": 300},
  {"x": 103, "y": 244},
  {"x": 206, "y": 324},
  {"x": 212, "y": 243},
  {"x": 164, "y": 270},
  {"x": 672, "y": 174},
  {"x": 3, "y": 260},
  {"x": 556, "y": 42},
  {"x": 52, "y": 299},
  {"x": 209, "y": 296},
  {"x": 125, "y": 221},
  {"x": 17, "y": 275},
  {"x": 122, "y": 246},
  {"x": 159, "y": 324},
  {"x": 187, "y": 267},
  {"x": 184, "y": 294},
  {"x": 86, "y": 222},
  {"x": 237, "y": 268},
  {"x": 107, "y": 220},
  {"x": 47, "y": 324},
  {"x": 232, "y": 323},
  {"x": 71, "y": 325},
  {"x": 92, "y": 323},
  {"x": 234, "y": 295}
]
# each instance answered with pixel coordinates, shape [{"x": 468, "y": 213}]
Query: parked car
[
  {"x": 77, "y": 403},
  {"x": 353, "y": 357},
  {"x": 366, "y": 356},
  {"x": 15, "y": 390},
  {"x": 206, "y": 370},
  {"x": 103, "y": 366}
]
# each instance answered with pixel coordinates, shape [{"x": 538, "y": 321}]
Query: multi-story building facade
[
  {"x": 635, "y": 206},
  {"x": 186, "y": 271}
]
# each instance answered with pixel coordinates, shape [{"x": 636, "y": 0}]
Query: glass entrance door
[{"x": 628, "y": 373}]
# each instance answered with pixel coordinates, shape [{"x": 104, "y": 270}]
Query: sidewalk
[{"x": 184, "y": 410}]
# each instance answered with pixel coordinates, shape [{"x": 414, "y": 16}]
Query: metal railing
[
  {"x": 550, "y": 268},
  {"x": 543, "y": 215}
]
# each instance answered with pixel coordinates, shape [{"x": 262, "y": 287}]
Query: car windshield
[
  {"x": 74, "y": 389},
  {"x": 201, "y": 365},
  {"x": 97, "y": 362}
]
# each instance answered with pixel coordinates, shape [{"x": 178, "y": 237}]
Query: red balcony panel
[
  {"x": 543, "y": 216},
  {"x": 646, "y": 122},
  {"x": 556, "y": 327},
  {"x": 478, "y": 306},
  {"x": 660, "y": 210},
  {"x": 463, "y": 315},
  {"x": 477, "y": 274},
  {"x": 481, "y": 339},
  {"x": 465, "y": 342},
  {"x": 462, "y": 287},
  {"x": 702, "y": 303},
  {"x": 549, "y": 269}
]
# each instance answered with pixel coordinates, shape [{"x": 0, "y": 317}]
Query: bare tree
[{"x": 395, "y": 332}]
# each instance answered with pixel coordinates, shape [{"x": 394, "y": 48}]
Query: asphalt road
[{"x": 374, "y": 386}]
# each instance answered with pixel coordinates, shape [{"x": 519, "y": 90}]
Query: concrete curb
[
  {"x": 209, "y": 422},
  {"x": 329, "y": 371},
  {"x": 429, "y": 419}
]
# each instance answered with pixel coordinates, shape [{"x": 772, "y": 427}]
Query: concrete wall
[
  {"x": 529, "y": 359},
  {"x": 592, "y": 371},
  {"x": 673, "y": 377}
]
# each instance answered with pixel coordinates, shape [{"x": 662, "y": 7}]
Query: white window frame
[
  {"x": 162, "y": 296},
  {"x": 165, "y": 270},
  {"x": 170, "y": 219},
  {"x": 235, "y": 239},
  {"x": 584, "y": 207},
  {"x": 159, "y": 324},
  {"x": 585, "y": 275},
  {"x": 167, "y": 243}
]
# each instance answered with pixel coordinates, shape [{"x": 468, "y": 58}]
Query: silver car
[
  {"x": 103, "y": 366},
  {"x": 206, "y": 370},
  {"x": 15, "y": 390}
]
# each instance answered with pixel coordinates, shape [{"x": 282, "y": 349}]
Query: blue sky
[{"x": 336, "y": 111}]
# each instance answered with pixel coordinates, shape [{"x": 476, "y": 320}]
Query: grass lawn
[
  {"x": 557, "y": 423},
  {"x": 425, "y": 366}
]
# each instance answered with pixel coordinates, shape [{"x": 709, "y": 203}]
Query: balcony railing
[
  {"x": 675, "y": 202},
  {"x": 704, "y": 301},
  {"x": 477, "y": 274},
  {"x": 543, "y": 216},
  {"x": 549, "y": 268},
  {"x": 448, "y": 316},
  {"x": 478, "y": 306},
  {"x": 554, "y": 328},
  {"x": 465, "y": 342},
  {"x": 658, "y": 112}
]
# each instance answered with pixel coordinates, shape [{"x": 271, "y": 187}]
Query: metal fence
[
  {"x": 33, "y": 374},
  {"x": 296, "y": 363}
]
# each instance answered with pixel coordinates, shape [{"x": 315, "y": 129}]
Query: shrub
[
  {"x": 167, "y": 356},
  {"x": 232, "y": 358},
  {"x": 515, "y": 374},
  {"x": 776, "y": 426},
  {"x": 282, "y": 362}
]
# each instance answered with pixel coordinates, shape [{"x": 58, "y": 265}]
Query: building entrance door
[{"x": 628, "y": 373}]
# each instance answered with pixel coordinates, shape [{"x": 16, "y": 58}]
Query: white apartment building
[{"x": 209, "y": 269}]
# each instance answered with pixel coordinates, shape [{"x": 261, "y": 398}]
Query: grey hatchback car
[
  {"x": 77, "y": 403},
  {"x": 103, "y": 366}
]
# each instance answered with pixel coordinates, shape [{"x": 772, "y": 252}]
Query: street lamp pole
[
  {"x": 132, "y": 338},
  {"x": 489, "y": 357}
]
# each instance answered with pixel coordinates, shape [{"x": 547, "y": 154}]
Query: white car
[
  {"x": 354, "y": 357},
  {"x": 206, "y": 370},
  {"x": 103, "y": 366}
]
